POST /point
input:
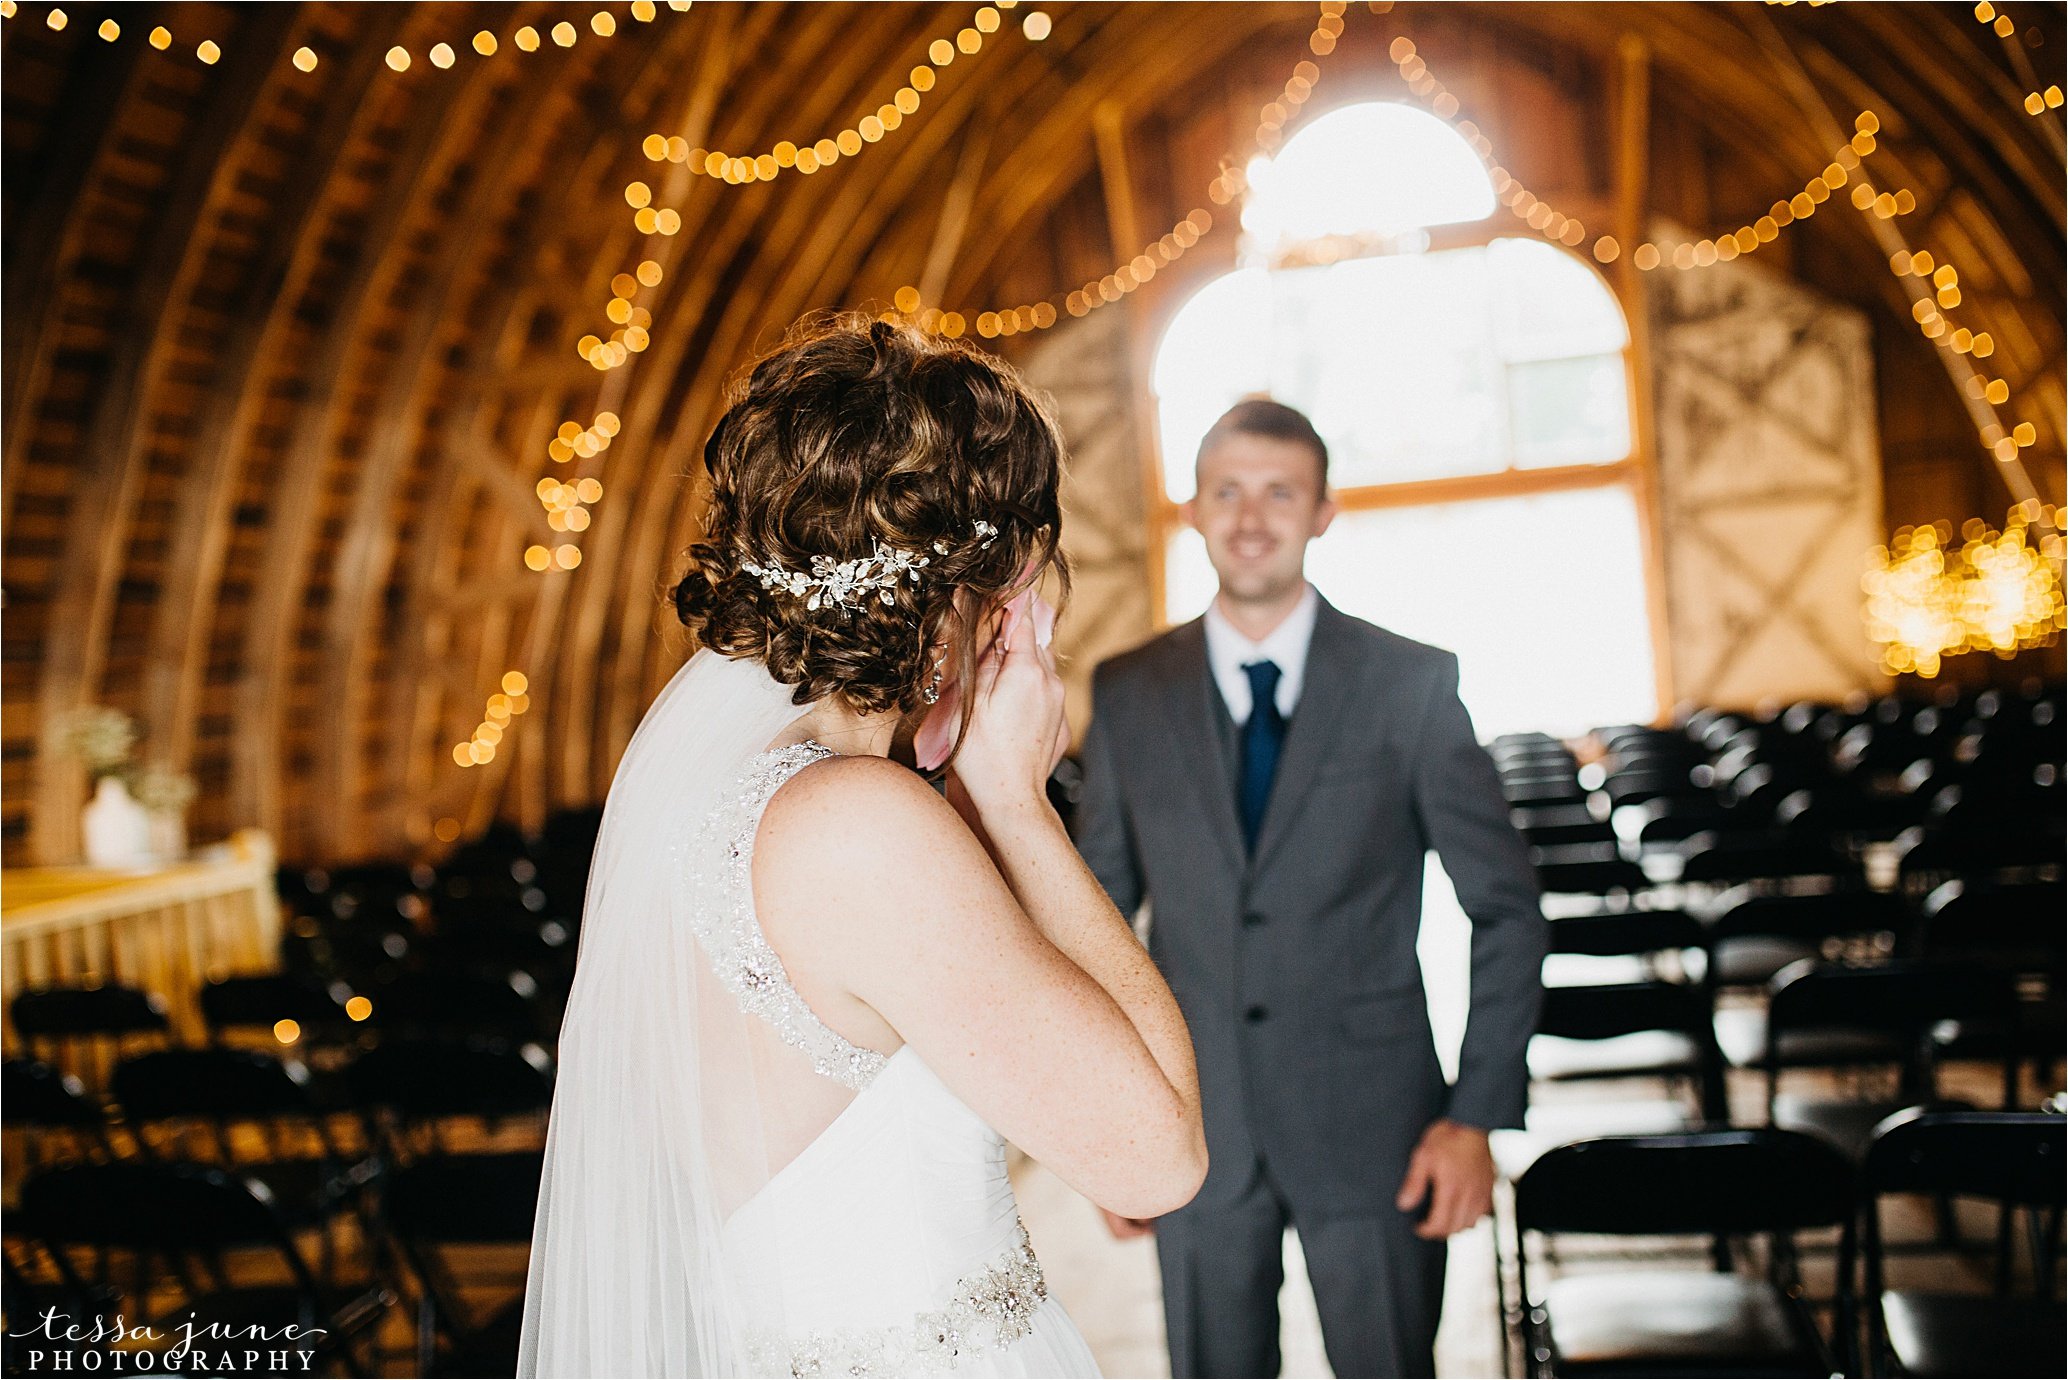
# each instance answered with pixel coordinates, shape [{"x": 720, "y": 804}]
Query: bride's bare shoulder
[{"x": 852, "y": 804}]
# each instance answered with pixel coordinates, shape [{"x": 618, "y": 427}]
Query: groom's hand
[{"x": 1452, "y": 1170}]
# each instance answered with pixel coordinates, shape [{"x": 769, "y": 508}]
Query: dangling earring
[{"x": 931, "y": 691}]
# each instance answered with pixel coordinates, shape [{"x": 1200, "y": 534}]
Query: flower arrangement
[
  {"x": 103, "y": 739},
  {"x": 164, "y": 791}
]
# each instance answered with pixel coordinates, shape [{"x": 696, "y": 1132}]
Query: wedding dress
[{"x": 732, "y": 1188}]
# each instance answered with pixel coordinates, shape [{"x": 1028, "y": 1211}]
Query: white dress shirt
[{"x": 1227, "y": 651}]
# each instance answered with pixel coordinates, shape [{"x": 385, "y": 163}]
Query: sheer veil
[{"x": 672, "y": 1107}]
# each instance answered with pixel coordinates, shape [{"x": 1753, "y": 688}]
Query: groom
[{"x": 1269, "y": 778}]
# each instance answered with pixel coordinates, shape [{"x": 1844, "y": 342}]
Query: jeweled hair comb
[{"x": 846, "y": 584}]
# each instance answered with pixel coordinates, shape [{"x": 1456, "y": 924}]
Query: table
[{"x": 164, "y": 929}]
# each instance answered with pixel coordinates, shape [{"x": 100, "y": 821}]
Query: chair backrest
[
  {"x": 262, "y": 1001},
  {"x": 1624, "y": 1008},
  {"x": 2010, "y": 1157},
  {"x": 1586, "y": 869},
  {"x": 2019, "y": 926},
  {"x": 108, "y": 1009},
  {"x": 1625, "y": 932},
  {"x": 36, "y": 1095},
  {"x": 1729, "y": 857},
  {"x": 433, "y": 1078},
  {"x": 465, "y": 1198},
  {"x": 1810, "y": 918},
  {"x": 215, "y": 1084},
  {"x": 459, "y": 1004},
  {"x": 140, "y": 1205},
  {"x": 1903, "y": 998},
  {"x": 1699, "y": 1182}
]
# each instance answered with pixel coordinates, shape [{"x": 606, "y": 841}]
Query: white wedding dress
[
  {"x": 732, "y": 1188},
  {"x": 892, "y": 1244}
]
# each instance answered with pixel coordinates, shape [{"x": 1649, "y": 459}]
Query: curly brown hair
[{"x": 855, "y": 431}]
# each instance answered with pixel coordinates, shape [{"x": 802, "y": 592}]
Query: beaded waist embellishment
[{"x": 993, "y": 1308}]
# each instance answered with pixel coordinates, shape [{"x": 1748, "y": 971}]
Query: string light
[
  {"x": 633, "y": 324},
  {"x": 1559, "y": 227},
  {"x": 1999, "y": 592},
  {"x": 1167, "y": 248},
  {"x": 809, "y": 156},
  {"x": 503, "y": 707},
  {"x": 399, "y": 59},
  {"x": 2036, "y": 102},
  {"x": 1928, "y": 309}
]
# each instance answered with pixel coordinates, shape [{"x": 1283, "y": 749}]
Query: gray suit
[{"x": 1296, "y": 970}]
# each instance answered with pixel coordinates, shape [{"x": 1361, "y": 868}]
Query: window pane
[
  {"x": 1412, "y": 366},
  {"x": 1389, "y": 359},
  {"x": 1549, "y": 305},
  {"x": 1541, "y": 597},
  {"x": 1372, "y": 168},
  {"x": 1569, "y": 411}
]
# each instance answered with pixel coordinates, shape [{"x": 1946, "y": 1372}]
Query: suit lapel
[
  {"x": 1189, "y": 713},
  {"x": 1324, "y": 689}
]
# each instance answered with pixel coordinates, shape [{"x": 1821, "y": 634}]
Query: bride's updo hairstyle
[{"x": 856, "y": 432}]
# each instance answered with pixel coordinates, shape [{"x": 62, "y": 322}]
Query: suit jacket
[{"x": 1296, "y": 966}]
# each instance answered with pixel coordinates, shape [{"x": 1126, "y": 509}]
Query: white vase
[{"x": 117, "y": 829}]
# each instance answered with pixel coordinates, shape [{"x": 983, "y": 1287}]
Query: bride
[{"x": 814, "y": 996}]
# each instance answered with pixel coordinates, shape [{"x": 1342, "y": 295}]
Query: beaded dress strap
[{"x": 731, "y": 935}]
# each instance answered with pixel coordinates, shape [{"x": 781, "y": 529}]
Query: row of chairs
[
  {"x": 1721, "y": 800},
  {"x": 174, "y": 1229},
  {"x": 133, "y": 1200},
  {"x": 1751, "y": 1313}
]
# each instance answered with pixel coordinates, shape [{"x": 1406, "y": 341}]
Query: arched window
[{"x": 1477, "y": 405}]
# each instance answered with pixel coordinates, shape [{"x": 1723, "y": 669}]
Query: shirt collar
[{"x": 1227, "y": 650}]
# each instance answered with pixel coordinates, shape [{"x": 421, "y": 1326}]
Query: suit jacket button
[
  {"x": 1256, "y": 1015},
  {"x": 1252, "y": 920}
]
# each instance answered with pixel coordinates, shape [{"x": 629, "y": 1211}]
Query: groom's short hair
[{"x": 1267, "y": 417}]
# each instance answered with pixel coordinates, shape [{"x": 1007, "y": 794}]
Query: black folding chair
[
  {"x": 2014, "y": 1159},
  {"x": 255, "y": 1115},
  {"x": 462, "y": 1200},
  {"x": 1652, "y": 1032},
  {"x": 461, "y": 1004},
  {"x": 1587, "y": 869},
  {"x": 214, "y": 1235},
  {"x": 87, "y": 1028},
  {"x": 1631, "y": 1030},
  {"x": 2016, "y": 931},
  {"x": 316, "y": 1011},
  {"x": 1648, "y": 1321},
  {"x": 412, "y": 1092},
  {"x": 59, "y": 1122},
  {"x": 1756, "y": 933},
  {"x": 1728, "y": 859},
  {"x": 1833, "y": 1016}
]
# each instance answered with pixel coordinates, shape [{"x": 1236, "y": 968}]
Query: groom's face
[{"x": 1260, "y": 501}]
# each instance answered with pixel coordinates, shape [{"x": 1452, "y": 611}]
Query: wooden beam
[{"x": 1630, "y": 121}]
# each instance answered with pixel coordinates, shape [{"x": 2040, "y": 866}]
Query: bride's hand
[{"x": 1017, "y": 732}]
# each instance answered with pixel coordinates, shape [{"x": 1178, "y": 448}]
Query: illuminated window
[{"x": 1476, "y": 404}]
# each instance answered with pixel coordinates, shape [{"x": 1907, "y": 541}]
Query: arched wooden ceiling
[{"x": 284, "y": 350}]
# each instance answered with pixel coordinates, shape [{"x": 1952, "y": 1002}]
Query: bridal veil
[{"x": 673, "y": 1105}]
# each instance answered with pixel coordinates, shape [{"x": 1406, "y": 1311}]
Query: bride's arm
[
  {"x": 1047, "y": 1018},
  {"x": 1048, "y": 877},
  {"x": 886, "y": 910}
]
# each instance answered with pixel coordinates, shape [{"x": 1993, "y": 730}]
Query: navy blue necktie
[{"x": 1263, "y": 733}]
